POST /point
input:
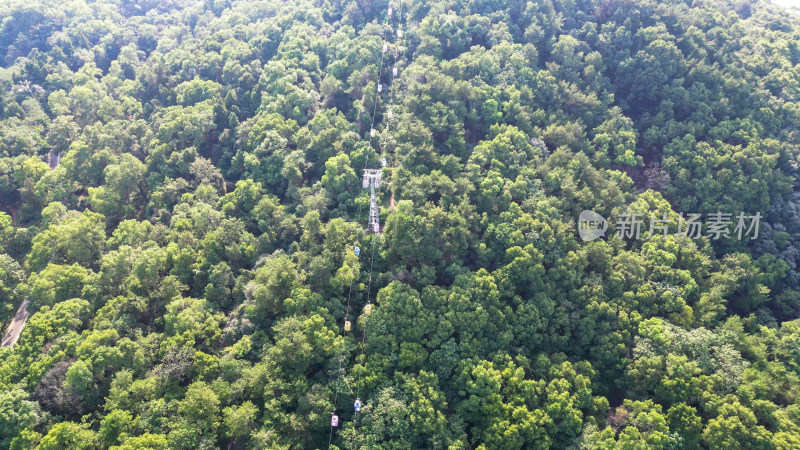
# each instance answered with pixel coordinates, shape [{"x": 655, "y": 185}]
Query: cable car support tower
[{"x": 372, "y": 180}]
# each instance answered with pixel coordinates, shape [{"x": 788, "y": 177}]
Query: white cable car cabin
[
  {"x": 334, "y": 420},
  {"x": 357, "y": 405}
]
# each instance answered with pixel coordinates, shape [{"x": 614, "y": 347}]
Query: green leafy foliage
[{"x": 181, "y": 201}]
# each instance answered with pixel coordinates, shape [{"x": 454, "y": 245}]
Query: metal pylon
[{"x": 372, "y": 180}]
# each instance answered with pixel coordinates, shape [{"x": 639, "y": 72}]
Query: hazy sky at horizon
[{"x": 795, "y": 3}]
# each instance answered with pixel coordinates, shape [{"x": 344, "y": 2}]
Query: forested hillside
[{"x": 181, "y": 203}]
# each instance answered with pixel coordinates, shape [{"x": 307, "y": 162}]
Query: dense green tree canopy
[{"x": 181, "y": 202}]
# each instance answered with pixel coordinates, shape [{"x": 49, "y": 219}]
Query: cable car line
[
  {"x": 372, "y": 179},
  {"x": 368, "y": 306}
]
